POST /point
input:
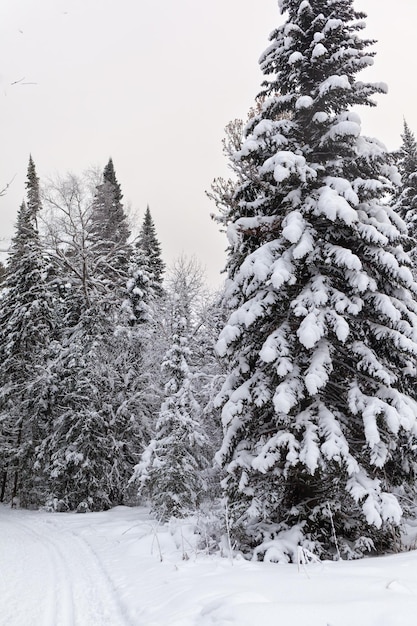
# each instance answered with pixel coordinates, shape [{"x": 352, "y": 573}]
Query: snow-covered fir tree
[
  {"x": 318, "y": 408},
  {"x": 406, "y": 203},
  {"x": 109, "y": 219},
  {"x": 139, "y": 289},
  {"x": 33, "y": 201},
  {"x": 27, "y": 323},
  {"x": 109, "y": 232},
  {"x": 170, "y": 473},
  {"x": 145, "y": 273},
  {"x": 149, "y": 244},
  {"x": 100, "y": 422}
]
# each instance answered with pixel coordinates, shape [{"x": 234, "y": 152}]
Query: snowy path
[
  {"x": 119, "y": 568},
  {"x": 49, "y": 576}
]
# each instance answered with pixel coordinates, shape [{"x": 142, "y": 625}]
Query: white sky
[{"x": 153, "y": 83}]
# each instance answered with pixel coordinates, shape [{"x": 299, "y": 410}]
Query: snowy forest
[{"x": 282, "y": 408}]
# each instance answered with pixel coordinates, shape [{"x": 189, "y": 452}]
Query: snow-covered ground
[{"x": 120, "y": 568}]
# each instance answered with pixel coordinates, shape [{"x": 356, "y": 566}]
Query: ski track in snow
[
  {"x": 67, "y": 586},
  {"x": 122, "y": 568}
]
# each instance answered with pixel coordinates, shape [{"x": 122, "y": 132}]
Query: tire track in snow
[{"x": 78, "y": 590}]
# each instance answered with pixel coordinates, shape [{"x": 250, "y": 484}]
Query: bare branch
[{"x": 3, "y": 191}]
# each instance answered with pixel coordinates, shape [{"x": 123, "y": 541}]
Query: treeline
[{"x": 86, "y": 321}]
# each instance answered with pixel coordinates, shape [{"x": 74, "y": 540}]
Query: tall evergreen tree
[
  {"x": 146, "y": 268},
  {"x": 100, "y": 421},
  {"x": 141, "y": 289},
  {"x": 27, "y": 321},
  {"x": 101, "y": 424},
  {"x": 109, "y": 233},
  {"x": 109, "y": 176},
  {"x": 171, "y": 470},
  {"x": 151, "y": 248},
  {"x": 33, "y": 192},
  {"x": 110, "y": 225},
  {"x": 2, "y": 272},
  {"x": 406, "y": 203},
  {"x": 318, "y": 407}
]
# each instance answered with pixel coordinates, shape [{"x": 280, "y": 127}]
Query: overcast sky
[{"x": 153, "y": 83}]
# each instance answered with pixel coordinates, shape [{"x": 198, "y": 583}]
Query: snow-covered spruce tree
[
  {"x": 151, "y": 248},
  {"x": 33, "y": 201},
  {"x": 318, "y": 407},
  {"x": 100, "y": 425},
  {"x": 139, "y": 289},
  {"x": 206, "y": 316},
  {"x": 145, "y": 273},
  {"x": 101, "y": 414},
  {"x": 170, "y": 473},
  {"x": 140, "y": 319},
  {"x": 406, "y": 203},
  {"x": 27, "y": 322},
  {"x": 109, "y": 232}
]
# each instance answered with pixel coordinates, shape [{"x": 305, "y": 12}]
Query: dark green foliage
[
  {"x": 100, "y": 423},
  {"x": 151, "y": 248},
  {"x": 103, "y": 396},
  {"x": 140, "y": 289},
  {"x": 406, "y": 203},
  {"x": 2, "y": 273},
  {"x": 109, "y": 176},
  {"x": 27, "y": 322},
  {"x": 33, "y": 193},
  {"x": 109, "y": 232},
  {"x": 144, "y": 284},
  {"x": 319, "y": 403}
]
